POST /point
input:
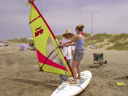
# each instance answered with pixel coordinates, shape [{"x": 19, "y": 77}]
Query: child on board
[
  {"x": 68, "y": 51},
  {"x": 79, "y": 52}
]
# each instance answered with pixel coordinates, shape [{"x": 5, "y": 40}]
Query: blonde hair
[{"x": 80, "y": 27}]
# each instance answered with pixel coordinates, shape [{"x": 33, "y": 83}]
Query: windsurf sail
[{"x": 41, "y": 34}]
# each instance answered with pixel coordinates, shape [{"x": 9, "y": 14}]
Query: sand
[{"x": 20, "y": 76}]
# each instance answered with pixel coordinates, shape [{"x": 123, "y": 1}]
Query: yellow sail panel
[{"x": 41, "y": 32}]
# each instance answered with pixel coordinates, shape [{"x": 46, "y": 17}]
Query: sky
[{"x": 112, "y": 16}]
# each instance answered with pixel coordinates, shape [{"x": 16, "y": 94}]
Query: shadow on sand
[
  {"x": 94, "y": 67},
  {"x": 50, "y": 84},
  {"x": 119, "y": 78}
]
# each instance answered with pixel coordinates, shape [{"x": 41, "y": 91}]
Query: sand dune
[{"x": 20, "y": 74}]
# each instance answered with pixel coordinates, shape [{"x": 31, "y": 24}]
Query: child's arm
[
  {"x": 60, "y": 42},
  {"x": 72, "y": 44}
]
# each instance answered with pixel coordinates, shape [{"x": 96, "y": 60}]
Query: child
[
  {"x": 79, "y": 52},
  {"x": 68, "y": 51}
]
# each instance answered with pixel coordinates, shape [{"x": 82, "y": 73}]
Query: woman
[{"x": 79, "y": 52}]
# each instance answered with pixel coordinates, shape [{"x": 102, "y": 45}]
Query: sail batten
[
  {"x": 44, "y": 20},
  {"x": 34, "y": 19},
  {"x": 41, "y": 33}
]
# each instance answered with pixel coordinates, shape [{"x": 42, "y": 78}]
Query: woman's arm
[{"x": 73, "y": 40}]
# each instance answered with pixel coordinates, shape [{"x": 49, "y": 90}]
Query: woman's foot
[
  {"x": 74, "y": 82},
  {"x": 78, "y": 78},
  {"x": 127, "y": 76}
]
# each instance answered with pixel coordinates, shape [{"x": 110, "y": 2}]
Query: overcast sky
[{"x": 64, "y": 14}]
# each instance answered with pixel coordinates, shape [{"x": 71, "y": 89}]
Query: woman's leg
[
  {"x": 78, "y": 69},
  {"x": 74, "y": 66}
]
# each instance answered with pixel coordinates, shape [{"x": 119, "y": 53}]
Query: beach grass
[
  {"x": 119, "y": 41},
  {"x": 108, "y": 43},
  {"x": 22, "y": 41},
  {"x": 86, "y": 34},
  {"x": 97, "y": 38},
  {"x": 118, "y": 37},
  {"x": 119, "y": 46},
  {"x": 100, "y": 46},
  {"x": 59, "y": 37}
]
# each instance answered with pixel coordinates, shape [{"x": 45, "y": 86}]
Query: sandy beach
[{"x": 20, "y": 76}]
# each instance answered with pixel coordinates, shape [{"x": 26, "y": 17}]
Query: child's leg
[{"x": 78, "y": 69}]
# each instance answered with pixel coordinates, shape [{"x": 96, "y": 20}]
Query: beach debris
[
  {"x": 120, "y": 84},
  {"x": 1, "y": 45},
  {"x": 93, "y": 46},
  {"x": 24, "y": 46},
  {"x": 2, "y": 51},
  {"x": 105, "y": 62},
  {"x": 85, "y": 49}
]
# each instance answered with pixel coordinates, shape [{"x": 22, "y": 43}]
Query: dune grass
[
  {"x": 118, "y": 37},
  {"x": 59, "y": 37},
  {"x": 22, "y": 41},
  {"x": 119, "y": 46},
  {"x": 120, "y": 41},
  {"x": 86, "y": 34},
  {"x": 97, "y": 38},
  {"x": 100, "y": 46}
]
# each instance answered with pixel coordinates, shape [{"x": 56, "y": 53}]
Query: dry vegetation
[
  {"x": 119, "y": 46},
  {"x": 118, "y": 41},
  {"x": 22, "y": 40},
  {"x": 119, "y": 37},
  {"x": 97, "y": 38}
]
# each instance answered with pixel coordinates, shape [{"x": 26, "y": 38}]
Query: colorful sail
[{"x": 41, "y": 33}]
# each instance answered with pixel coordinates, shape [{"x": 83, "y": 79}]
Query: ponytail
[{"x": 80, "y": 27}]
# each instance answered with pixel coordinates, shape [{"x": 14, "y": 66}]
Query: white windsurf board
[{"x": 66, "y": 89}]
